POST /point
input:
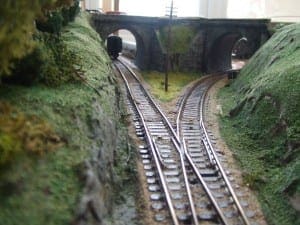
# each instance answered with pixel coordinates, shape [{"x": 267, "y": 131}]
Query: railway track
[
  {"x": 185, "y": 179},
  {"x": 196, "y": 141}
]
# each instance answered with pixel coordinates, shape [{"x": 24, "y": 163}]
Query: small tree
[
  {"x": 54, "y": 20},
  {"x": 181, "y": 39},
  {"x": 17, "y": 26}
]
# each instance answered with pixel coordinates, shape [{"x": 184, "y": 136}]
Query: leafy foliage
[
  {"x": 55, "y": 20},
  {"x": 17, "y": 25},
  {"x": 16, "y": 30},
  {"x": 27, "y": 70},
  {"x": 19, "y": 132},
  {"x": 51, "y": 63},
  {"x": 181, "y": 36},
  {"x": 61, "y": 65},
  {"x": 53, "y": 24},
  {"x": 70, "y": 13}
]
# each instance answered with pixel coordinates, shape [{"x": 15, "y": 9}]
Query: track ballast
[{"x": 185, "y": 179}]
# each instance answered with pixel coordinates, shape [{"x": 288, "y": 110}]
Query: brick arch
[
  {"x": 202, "y": 54},
  {"x": 140, "y": 45},
  {"x": 219, "y": 54}
]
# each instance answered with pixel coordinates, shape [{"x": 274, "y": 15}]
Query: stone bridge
[{"x": 209, "y": 50}]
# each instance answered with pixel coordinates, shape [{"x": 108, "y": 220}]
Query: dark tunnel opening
[
  {"x": 222, "y": 53},
  {"x": 128, "y": 46}
]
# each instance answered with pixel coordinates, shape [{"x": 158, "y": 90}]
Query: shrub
[
  {"x": 61, "y": 64},
  {"x": 53, "y": 24},
  {"x": 20, "y": 132},
  {"x": 55, "y": 20},
  {"x": 51, "y": 63},
  {"x": 17, "y": 26},
  {"x": 26, "y": 70},
  {"x": 181, "y": 37},
  {"x": 70, "y": 13}
]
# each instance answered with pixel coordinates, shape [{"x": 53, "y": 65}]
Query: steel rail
[
  {"x": 209, "y": 149},
  {"x": 153, "y": 102},
  {"x": 183, "y": 102},
  {"x": 188, "y": 189},
  {"x": 188, "y": 157},
  {"x": 164, "y": 183},
  {"x": 204, "y": 185},
  {"x": 153, "y": 151},
  {"x": 176, "y": 143},
  {"x": 232, "y": 192},
  {"x": 184, "y": 153}
]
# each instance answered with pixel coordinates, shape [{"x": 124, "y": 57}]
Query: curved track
[
  {"x": 184, "y": 175},
  {"x": 194, "y": 136}
]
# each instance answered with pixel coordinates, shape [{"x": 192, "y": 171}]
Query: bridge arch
[
  {"x": 209, "y": 52},
  {"x": 140, "y": 45},
  {"x": 220, "y": 53}
]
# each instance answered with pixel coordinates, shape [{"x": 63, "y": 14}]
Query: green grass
[
  {"x": 46, "y": 190},
  {"x": 177, "y": 80},
  {"x": 42, "y": 191},
  {"x": 85, "y": 42},
  {"x": 262, "y": 124}
]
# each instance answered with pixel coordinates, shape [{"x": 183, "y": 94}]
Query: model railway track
[
  {"x": 161, "y": 157},
  {"x": 199, "y": 149},
  {"x": 182, "y": 176}
]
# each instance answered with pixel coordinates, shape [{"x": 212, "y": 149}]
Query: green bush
[
  {"x": 61, "y": 64},
  {"x": 70, "y": 13},
  {"x": 17, "y": 26},
  {"x": 51, "y": 63},
  {"x": 55, "y": 20},
  {"x": 181, "y": 37},
  {"x": 26, "y": 70},
  {"x": 53, "y": 24},
  {"x": 20, "y": 132}
]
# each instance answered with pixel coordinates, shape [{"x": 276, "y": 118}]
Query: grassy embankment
[
  {"x": 262, "y": 124},
  {"x": 46, "y": 189},
  {"x": 177, "y": 81}
]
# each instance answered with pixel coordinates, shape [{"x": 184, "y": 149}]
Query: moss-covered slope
[
  {"x": 263, "y": 124},
  {"x": 74, "y": 182}
]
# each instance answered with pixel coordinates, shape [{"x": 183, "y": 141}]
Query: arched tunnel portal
[
  {"x": 220, "y": 54},
  {"x": 141, "y": 53},
  {"x": 221, "y": 43}
]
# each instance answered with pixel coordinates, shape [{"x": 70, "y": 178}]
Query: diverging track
[
  {"x": 203, "y": 157},
  {"x": 185, "y": 179}
]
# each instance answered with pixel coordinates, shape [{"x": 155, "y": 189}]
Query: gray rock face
[{"x": 96, "y": 203}]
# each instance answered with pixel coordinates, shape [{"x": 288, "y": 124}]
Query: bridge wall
[
  {"x": 209, "y": 51},
  {"x": 221, "y": 39}
]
